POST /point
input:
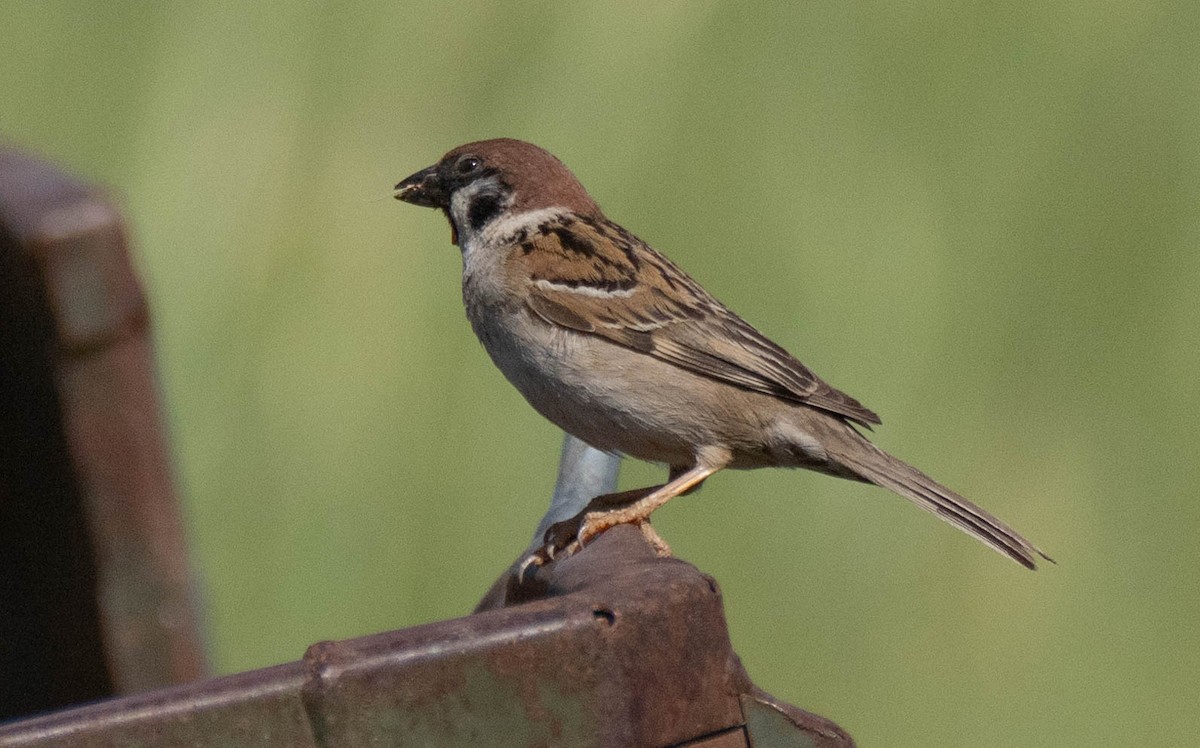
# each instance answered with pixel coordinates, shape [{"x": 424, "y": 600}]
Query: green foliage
[{"x": 979, "y": 219}]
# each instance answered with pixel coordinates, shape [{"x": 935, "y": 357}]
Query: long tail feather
[{"x": 878, "y": 467}]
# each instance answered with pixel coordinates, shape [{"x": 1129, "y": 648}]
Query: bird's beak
[{"x": 423, "y": 188}]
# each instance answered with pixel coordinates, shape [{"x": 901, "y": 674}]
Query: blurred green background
[{"x": 980, "y": 219}]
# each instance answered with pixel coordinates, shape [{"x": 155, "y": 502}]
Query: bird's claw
[
  {"x": 535, "y": 560},
  {"x": 562, "y": 540}
]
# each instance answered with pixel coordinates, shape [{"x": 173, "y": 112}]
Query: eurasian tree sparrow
[{"x": 615, "y": 344}]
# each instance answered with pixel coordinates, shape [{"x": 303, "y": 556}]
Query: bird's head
[{"x": 478, "y": 183}]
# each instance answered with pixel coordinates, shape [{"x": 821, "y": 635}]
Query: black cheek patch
[{"x": 482, "y": 209}]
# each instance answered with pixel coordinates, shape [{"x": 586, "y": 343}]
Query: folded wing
[{"x": 615, "y": 286}]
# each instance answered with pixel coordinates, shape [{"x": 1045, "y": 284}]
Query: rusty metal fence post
[{"x": 95, "y": 593}]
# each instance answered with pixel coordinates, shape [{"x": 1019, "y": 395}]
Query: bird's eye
[{"x": 468, "y": 164}]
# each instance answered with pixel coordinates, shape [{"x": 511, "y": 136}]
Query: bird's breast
[{"x": 575, "y": 381}]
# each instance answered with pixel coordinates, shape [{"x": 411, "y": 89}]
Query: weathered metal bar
[
  {"x": 85, "y": 466},
  {"x": 621, "y": 649}
]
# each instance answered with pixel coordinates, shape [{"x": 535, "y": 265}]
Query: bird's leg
[
  {"x": 628, "y": 507},
  {"x": 661, "y": 549},
  {"x": 568, "y": 537},
  {"x": 561, "y": 535},
  {"x": 678, "y": 470},
  {"x": 639, "y": 511}
]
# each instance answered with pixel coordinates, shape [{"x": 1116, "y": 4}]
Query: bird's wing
[{"x": 594, "y": 277}]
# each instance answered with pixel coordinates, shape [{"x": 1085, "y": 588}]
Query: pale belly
[{"x": 622, "y": 402}]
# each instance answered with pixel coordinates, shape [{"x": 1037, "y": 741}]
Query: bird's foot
[
  {"x": 661, "y": 549},
  {"x": 565, "y": 539},
  {"x": 562, "y": 539}
]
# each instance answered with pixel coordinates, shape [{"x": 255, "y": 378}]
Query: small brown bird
[{"x": 616, "y": 345}]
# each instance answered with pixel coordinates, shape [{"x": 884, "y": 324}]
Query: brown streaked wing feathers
[{"x": 663, "y": 313}]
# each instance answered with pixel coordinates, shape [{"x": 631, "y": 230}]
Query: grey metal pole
[{"x": 583, "y": 473}]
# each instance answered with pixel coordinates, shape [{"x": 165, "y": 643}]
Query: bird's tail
[{"x": 876, "y": 466}]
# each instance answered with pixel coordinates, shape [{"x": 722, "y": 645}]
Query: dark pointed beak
[{"x": 423, "y": 188}]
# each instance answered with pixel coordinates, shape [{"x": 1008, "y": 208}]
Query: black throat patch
[{"x": 483, "y": 208}]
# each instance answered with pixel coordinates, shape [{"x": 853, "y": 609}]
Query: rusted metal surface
[
  {"x": 770, "y": 723},
  {"x": 619, "y": 649},
  {"x": 623, "y": 550},
  {"x": 86, "y": 475},
  {"x": 50, "y": 641}
]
